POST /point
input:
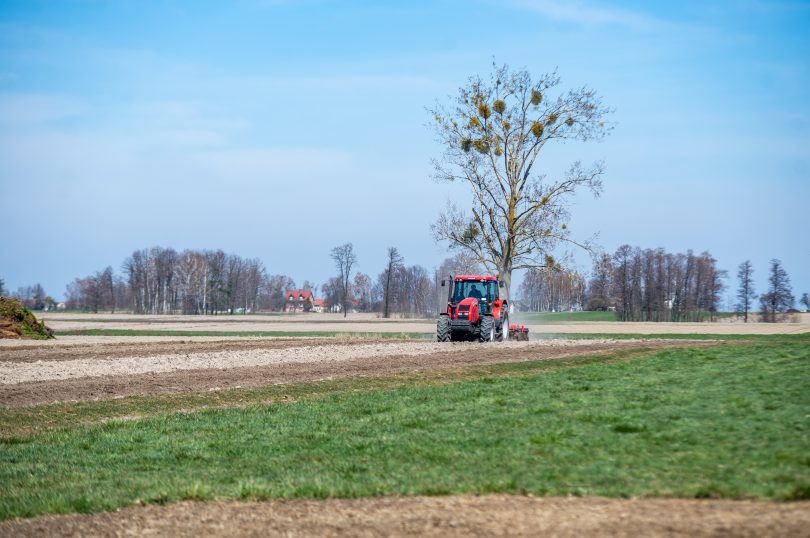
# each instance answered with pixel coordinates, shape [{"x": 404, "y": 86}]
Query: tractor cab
[{"x": 482, "y": 289}]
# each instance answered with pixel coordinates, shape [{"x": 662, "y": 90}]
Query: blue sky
[{"x": 279, "y": 129}]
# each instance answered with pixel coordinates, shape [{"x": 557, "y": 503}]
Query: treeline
[
  {"x": 638, "y": 284},
  {"x": 399, "y": 289},
  {"x": 31, "y": 297},
  {"x": 164, "y": 281},
  {"x": 410, "y": 292},
  {"x": 552, "y": 291},
  {"x": 654, "y": 285}
]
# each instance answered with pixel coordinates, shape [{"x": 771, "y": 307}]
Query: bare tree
[
  {"x": 622, "y": 282},
  {"x": 31, "y": 297},
  {"x": 551, "y": 291},
  {"x": 805, "y": 300},
  {"x": 345, "y": 259},
  {"x": 107, "y": 288},
  {"x": 745, "y": 290},
  {"x": 363, "y": 291},
  {"x": 779, "y": 298},
  {"x": 332, "y": 293},
  {"x": 308, "y": 286},
  {"x": 599, "y": 296},
  {"x": 416, "y": 291},
  {"x": 461, "y": 263},
  {"x": 393, "y": 265},
  {"x": 275, "y": 289},
  {"x": 493, "y": 137},
  {"x": 253, "y": 284},
  {"x": 38, "y": 297}
]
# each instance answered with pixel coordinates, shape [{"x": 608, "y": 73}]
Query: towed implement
[{"x": 474, "y": 310}]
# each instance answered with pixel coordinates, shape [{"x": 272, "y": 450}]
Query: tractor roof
[{"x": 474, "y": 277}]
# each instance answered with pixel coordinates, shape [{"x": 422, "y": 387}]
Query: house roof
[{"x": 295, "y": 294}]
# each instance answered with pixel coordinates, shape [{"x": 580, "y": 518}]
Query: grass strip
[
  {"x": 775, "y": 338},
  {"x": 723, "y": 421},
  {"x": 590, "y": 316},
  {"x": 36, "y": 419},
  {"x": 564, "y": 317},
  {"x": 285, "y": 334}
]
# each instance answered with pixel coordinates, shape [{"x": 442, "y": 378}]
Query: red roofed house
[
  {"x": 319, "y": 305},
  {"x": 299, "y": 301}
]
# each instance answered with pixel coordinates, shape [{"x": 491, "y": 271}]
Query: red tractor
[{"x": 473, "y": 311}]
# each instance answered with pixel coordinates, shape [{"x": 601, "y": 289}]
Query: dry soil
[
  {"x": 84, "y": 368},
  {"x": 492, "y": 515}
]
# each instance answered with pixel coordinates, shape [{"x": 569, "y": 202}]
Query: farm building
[
  {"x": 301, "y": 301},
  {"x": 319, "y": 305}
]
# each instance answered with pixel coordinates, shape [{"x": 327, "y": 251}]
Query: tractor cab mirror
[{"x": 501, "y": 284}]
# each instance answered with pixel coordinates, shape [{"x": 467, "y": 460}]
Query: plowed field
[{"x": 90, "y": 368}]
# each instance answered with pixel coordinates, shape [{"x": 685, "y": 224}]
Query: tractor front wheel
[
  {"x": 487, "y": 333},
  {"x": 443, "y": 329}
]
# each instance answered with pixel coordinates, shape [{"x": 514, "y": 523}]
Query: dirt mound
[{"x": 16, "y": 321}]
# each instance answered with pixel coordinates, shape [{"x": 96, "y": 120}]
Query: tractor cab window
[{"x": 483, "y": 291}]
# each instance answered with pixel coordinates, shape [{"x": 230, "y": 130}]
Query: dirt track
[
  {"x": 492, "y": 515},
  {"x": 83, "y": 371}
]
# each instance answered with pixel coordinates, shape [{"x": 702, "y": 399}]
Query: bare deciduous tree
[
  {"x": 107, "y": 286},
  {"x": 493, "y": 137},
  {"x": 363, "y": 291},
  {"x": 393, "y": 265},
  {"x": 345, "y": 259},
  {"x": 745, "y": 290},
  {"x": 461, "y": 263},
  {"x": 599, "y": 296}
]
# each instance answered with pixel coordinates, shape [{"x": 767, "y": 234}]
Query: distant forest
[
  {"x": 638, "y": 284},
  {"x": 163, "y": 281}
]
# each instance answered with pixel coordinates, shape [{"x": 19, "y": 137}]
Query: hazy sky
[{"x": 279, "y": 129}]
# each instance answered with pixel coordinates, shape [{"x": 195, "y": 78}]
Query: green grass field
[
  {"x": 564, "y": 317},
  {"x": 559, "y": 317},
  {"x": 724, "y": 421}
]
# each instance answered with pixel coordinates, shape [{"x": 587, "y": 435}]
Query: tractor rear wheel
[
  {"x": 487, "y": 333},
  {"x": 502, "y": 334},
  {"x": 443, "y": 329}
]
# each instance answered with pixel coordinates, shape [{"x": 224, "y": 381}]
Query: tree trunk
[
  {"x": 505, "y": 274},
  {"x": 387, "y": 291}
]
